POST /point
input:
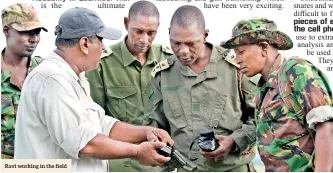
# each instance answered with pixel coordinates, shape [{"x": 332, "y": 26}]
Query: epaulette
[
  {"x": 165, "y": 64},
  {"x": 166, "y": 49},
  {"x": 37, "y": 60},
  {"x": 106, "y": 52},
  {"x": 231, "y": 58},
  {"x": 222, "y": 51}
]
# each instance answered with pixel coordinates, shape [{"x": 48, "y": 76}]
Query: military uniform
[
  {"x": 10, "y": 97},
  {"x": 283, "y": 136},
  {"x": 183, "y": 102},
  {"x": 119, "y": 85},
  {"x": 295, "y": 96},
  {"x": 21, "y": 17}
]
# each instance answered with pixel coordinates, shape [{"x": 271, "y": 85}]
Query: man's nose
[
  {"x": 238, "y": 59},
  {"x": 144, "y": 38},
  {"x": 184, "y": 49},
  {"x": 34, "y": 38}
]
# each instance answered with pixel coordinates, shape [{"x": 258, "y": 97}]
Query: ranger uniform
[
  {"x": 21, "y": 17},
  {"x": 183, "y": 103},
  {"x": 119, "y": 85}
]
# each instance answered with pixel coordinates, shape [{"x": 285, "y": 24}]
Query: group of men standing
[{"x": 148, "y": 95}]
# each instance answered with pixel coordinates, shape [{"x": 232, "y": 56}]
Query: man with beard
[
  {"x": 199, "y": 88},
  {"x": 119, "y": 85},
  {"x": 22, "y": 28},
  {"x": 294, "y": 114}
]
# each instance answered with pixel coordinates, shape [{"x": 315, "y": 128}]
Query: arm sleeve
[
  {"x": 246, "y": 135},
  {"x": 312, "y": 91},
  {"x": 154, "y": 112},
  {"x": 107, "y": 123},
  {"x": 65, "y": 116}
]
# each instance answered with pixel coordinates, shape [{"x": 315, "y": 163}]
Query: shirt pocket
[
  {"x": 223, "y": 115},
  {"x": 173, "y": 109},
  {"x": 118, "y": 97},
  {"x": 285, "y": 124}
]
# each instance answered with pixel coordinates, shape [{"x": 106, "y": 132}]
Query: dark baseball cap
[{"x": 82, "y": 22}]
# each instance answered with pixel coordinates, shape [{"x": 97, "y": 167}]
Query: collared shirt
[
  {"x": 119, "y": 85},
  {"x": 184, "y": 102},
  {"x": 283, "y": 141},
  {"x": 57, "y": 117},
  {"x": 10, "y": 96}
]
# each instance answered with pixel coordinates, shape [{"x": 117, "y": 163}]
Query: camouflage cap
[
  {"x": 22, "y": 17},
  {"x": 256, "y": 30}
]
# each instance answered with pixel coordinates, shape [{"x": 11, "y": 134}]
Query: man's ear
[
  {"x": 264, "y": 47},
  {"x": 5, "y": 31},
  {"x": 84, "y": 45},
  {"x": 126, "y": 21},
  {"x": 206, "y": 32}
]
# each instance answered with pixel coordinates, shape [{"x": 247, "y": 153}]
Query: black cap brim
[{"x": 110, "y": 33}]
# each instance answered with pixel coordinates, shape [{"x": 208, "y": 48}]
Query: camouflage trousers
[{"x": 6, "y": 157}]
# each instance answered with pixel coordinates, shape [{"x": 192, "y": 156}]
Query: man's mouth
[{"x": 31, "y": 48}]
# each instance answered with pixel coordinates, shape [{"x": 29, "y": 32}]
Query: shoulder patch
[
  {"x": 159, "y": 67},
  {"x": 37, "y": 59},
  {"x": 231, "y": 58},
  {"x": 106, "y": 52},
  {"x": 167, "y": 49},
  {"x": 165, "y": 64}
]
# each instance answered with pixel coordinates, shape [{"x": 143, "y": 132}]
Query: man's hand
[
  {"x": 324, "y": 147},
  {"x": 155, "y": 134},
  {"x": 147, "y": 155},
  {"x": 226, "y": 144}
]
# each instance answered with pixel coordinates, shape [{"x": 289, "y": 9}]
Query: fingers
[
  {"x": 219, "y": 137},
  {"x": 157, "y": 145},
  {"x": 153, "y": 138},
  {"x": 215, "y": 153},
  {"x": 165, "y": 137},
  {"x": 161, "y": 159}
]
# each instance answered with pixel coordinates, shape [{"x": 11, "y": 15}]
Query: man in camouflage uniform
[
  {"x": 22, "y": 28},
  {"x": 200, "y": 88},
  {"x": 119, "y": 85},
  {"x": 294, "y": 100}
]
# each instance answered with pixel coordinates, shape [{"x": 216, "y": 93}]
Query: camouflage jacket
[
  {"x": 283, "y": 137},
  {"x": 10, "y": 96}
]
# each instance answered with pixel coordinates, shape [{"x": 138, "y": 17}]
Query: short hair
[
  {"x": 145, "y": 8},
  {"x": 187, "y": 15},
  {"x": 71, "y": 42}
]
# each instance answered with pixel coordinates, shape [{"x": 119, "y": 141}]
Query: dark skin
[
  {"x": 85, "y": 56},
  {"x": 260, "y": 58},
  {"x": 189, "y": 46},
  {"x": 20, "y": 45},
  {"x": 141, "y": 34}
]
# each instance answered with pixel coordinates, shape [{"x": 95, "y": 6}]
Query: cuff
[
  {"x": 319, "y": 115},
  {"x": 108, "y": 123},
  {"x": 78, "y": 138},
  {"x": 240, "y": 145}
]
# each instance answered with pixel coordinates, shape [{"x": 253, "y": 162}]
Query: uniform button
[{"x": 193, "y": 157}]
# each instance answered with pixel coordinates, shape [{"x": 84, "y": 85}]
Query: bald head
[
  {"x": 188, "y": 15},
  {"x": 144, "y": 8}
]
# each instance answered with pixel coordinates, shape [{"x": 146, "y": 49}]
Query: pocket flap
[{"x": 121, "y": 92}]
